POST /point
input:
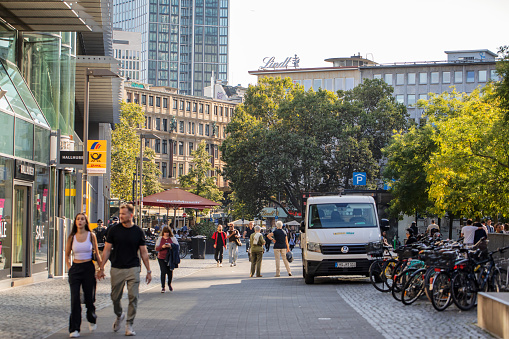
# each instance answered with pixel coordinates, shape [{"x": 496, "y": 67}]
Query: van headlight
[{"x": 314, "y": 247}]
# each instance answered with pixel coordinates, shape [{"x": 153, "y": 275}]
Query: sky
[{"x": 384, "y": 31}]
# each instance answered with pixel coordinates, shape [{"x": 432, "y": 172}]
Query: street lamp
[
  {"x": 143, "y": 136},
  {"x": 96, "y": 73}
]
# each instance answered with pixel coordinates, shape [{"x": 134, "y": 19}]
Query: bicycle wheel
[
  {"x": 396, "y": 280},
  {"x": 440, "y": 293},
  {"x": 495, "y": 284},
  {"x": 464, "y": 292},
  {"x": 388, "y": 273},
  {"x": 400, "y": 281},
  {"x": 428, "y": 281},
  {"x": 413, "y": 287},
  {"x": 376, "y": 275}
]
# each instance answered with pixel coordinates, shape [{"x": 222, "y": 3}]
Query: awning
[
  {"x": 56, "y": 15},
  {"x": 178, "y": 198}
]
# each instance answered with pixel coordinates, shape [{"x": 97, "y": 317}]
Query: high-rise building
[{"x": 184, "y": 42}]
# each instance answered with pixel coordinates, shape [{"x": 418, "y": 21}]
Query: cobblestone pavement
[{"x": 40, "y": 309}]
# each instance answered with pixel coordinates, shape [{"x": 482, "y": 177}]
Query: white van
[{"x": 334, "y": 233}]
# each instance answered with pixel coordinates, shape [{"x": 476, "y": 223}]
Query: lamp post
[
  {"x": 96, "y": 73},
  {"x": 143, "y": 136}
]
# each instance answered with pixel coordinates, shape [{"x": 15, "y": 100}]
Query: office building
[
  {"x": 183, "y": 43},
  {"x": 182, "y": 122},
  {"x": 127, "y": 50}
]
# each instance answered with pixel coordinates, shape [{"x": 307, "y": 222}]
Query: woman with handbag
[
  {"x": 82, "y": 244},
  {"x": 233, "y": 236},
  {"x": 281, "y": 247},
  {"x": 163, "y": 245}
]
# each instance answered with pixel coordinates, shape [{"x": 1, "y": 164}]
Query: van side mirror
[
  {"x": 385, "y": 225},
  {"x": 303, "y": 226}
]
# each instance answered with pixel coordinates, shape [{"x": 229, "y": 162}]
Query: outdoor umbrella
[
  {"x": 293, "y": 223},
  {"x": 178, "y": 198},
  {"x": 240, "y": 222}
]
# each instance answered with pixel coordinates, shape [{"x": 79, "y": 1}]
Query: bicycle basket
[
  {"x": 407, "y": 252},
  {"x": 447, "y": 259},
  {"x": 375, "y": 249}
]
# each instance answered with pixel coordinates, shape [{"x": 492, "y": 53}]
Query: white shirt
[{"x": 468, "y": 233}]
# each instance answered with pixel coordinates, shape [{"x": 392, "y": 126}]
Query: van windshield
[{"x": 342, "y": 215}]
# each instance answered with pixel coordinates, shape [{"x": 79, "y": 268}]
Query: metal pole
[
  {"x": 140, "y": 221},
  {"x": 85, "y": 141}
]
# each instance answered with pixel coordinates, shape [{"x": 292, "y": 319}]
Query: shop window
[
  {"x": 7, "y": 139},
  {"x": 24, "y": 139}
]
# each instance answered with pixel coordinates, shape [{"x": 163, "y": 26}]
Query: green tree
[
  {"x": 286, "y": 140},
  {"x": 125, "y": 145},
  {"x": 198, "y": 181},
  {"x": 502, "y": 87}
]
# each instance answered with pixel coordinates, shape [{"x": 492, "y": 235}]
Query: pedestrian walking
[
  {"x": 247, "y": 234},
  {"x": 281, "y": 247},
  {"x": 82, "y": 244},
  {"x": 233, "y": 236},
  {"x": 292, "y": 240},
  {"x": 123, "y": 243},
  {"x": 163, "y": 245},
  {"x": 219, "y": 238},
  {"x": 256, "y": 251},
  {"x": 267, "y": 240}
]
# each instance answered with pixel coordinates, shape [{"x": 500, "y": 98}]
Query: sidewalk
[{"x": 224, "y": 302}]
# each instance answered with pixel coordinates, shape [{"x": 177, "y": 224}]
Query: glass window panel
[
  {"x": 446, "y": 77},
  {"x": 434, "y": 77},
  {"x": 388, "y": 79},
  {"x": 410, "y": 99},
  {"x": 317, "y": 83},
  {"x": 12, "y": 95},
  {"x": 494, "y": 75},
  {"x": 423, "y": 97},
  {"x": 24, "y": 139},
  {"x": 7, "y": 139},
  {"x": 483, "y": 76},
  {"x": 328, "y": 84},
  {"x": 338, "y": 84},
  {"x": 458, "y": 77},
  {"x": 400, "y": 79},
  {"x": 377, "y": 76},
  {"x": 26, "y": 94},
  {"x": 400, "y": 98},
  {"x": 423, "y": 78},
  {"x": 411, "y": 78},
  {"x": 307, "y": 84},
  {"x": 349, "y": 83},
  {"x": 41, "y": 145},
  {"x": 470, "y": 76}
]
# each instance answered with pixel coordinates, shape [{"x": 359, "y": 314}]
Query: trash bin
[{"x": 198, "y": 247}]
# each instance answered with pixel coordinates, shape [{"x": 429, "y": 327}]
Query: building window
[
  {"x": 163, "y": 169},
  {"x": 200, "y": 129},
  {"x": 191, "y": 148},
  {"x": 446, "y": 77},
  {"x": 181, "y": 169},
  {"x": 423, "y": 78},
  {"x": 411, "y": 78},
  {"x": 388, "y": 79},
  {"x": 494, "y": 75},
  {"x": 195, "y": 105},
  {"x": 221, "y": 109},
  {"x": 174, "y": 172},
  {"x": 181, "y": 105},
  {"x": 189, "y": 127},
  {"x": 175, "y": 104},
  {"x": 215, "y": 110},
  {"x": 149, "y": 123},
  {"x": 377, "y": 76},
  {"x": 349, "y": 83},
  {"x": 151, "y": 100},
  {"x": 174, "y": 148},
  {"x": 165, "y": 102},
  {"x": 192, "y": 128},
  {"x": 410, "y": 99},
  {"x": 458, "y": 77},
  {"x": 158, "y": 146},
  {"x": 327, "y": 84},
  {"x": 317, "y": 84},
  {"x": 207, "y": 130},
  {"x": 400, "y": 79},
  {"x": 400, "y": 98},
  {"x": 201, "y": 108},
  {"x": 207, "y": 109},
  {"x": 165, "y": 125},
  {"x": 434, "y": 77},
  {"x": 483, "y": 76},
  {"x": 165, "y": 147},
  {"x": 158, "y": 102},
  {"x": 188, "y": 106},
  {"x": 231, "y": 112},
  {"x": 470, "y": 76},
  {"x": 423, "y": 97},
  {"x": 181, "y": 127},
  {"x": 181, "y": 148},
  {"x": 143, "y": 99},
  {"x": 158, "y": 124}
]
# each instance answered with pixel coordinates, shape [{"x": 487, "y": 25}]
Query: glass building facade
[
  {"x": 184, "y": 42},
  {"x": 37, "y": 96}
]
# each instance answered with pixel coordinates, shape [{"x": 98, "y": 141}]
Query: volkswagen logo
[{"x": 344, "y": 249}]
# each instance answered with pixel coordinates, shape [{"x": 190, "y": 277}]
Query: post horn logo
[{"x": 96, "y": 157}]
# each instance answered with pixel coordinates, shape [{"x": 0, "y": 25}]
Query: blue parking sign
[{"x": 359, "y": 178}]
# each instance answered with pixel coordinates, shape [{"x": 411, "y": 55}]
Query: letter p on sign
[{"x": 359, "y": 178}]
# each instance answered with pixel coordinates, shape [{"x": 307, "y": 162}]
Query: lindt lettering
[{"x": 270, "y": 62}]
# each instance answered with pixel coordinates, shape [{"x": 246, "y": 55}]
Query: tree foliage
[
  {"x": 283, "y": 139},
  {"x": 125, "y": 145},
  {"x": 197, "y": 180},
  {"x": 502, "y": 87}
]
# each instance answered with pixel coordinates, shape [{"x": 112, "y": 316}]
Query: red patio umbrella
[{"x": 178, "y": 198}]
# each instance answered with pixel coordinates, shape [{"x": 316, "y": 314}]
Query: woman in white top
[{"x": 81, "y": 243}]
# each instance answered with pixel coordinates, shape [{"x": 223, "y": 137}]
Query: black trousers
[
  {"x": 218, "y": 254},
  {"x": 165, "y": 271},
  {"x": 82, "y": 276}
]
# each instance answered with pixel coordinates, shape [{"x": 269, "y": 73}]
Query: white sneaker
[
  {"x": 220, "y": 265},
  {"x": 74, "y": 334},
  {"x": 129, "y": 330},
  {"x": 92, "y": 327},
  {"x": 118, "y": 321}
]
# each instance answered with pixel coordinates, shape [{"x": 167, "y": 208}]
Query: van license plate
[{"x": 346, "y": 264}]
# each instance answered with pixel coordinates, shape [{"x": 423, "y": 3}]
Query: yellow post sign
[{"x": 97, "y": 156}]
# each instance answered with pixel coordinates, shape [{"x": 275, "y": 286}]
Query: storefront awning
[{"x": 56, "y": 15}]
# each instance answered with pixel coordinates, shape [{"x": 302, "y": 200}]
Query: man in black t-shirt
[{"x": 125, "y": 239}]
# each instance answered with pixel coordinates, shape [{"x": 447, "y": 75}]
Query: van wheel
[
  {"x": 309, "y": 279},
  {"x": 303, "y": 271}
]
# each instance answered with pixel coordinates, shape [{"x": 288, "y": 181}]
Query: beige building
[{"x": 181, "y": 122}]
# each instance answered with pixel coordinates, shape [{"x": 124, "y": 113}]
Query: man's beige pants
[{"x": 119, "y": 277}]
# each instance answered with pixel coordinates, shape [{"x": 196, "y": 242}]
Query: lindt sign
[{"x": 270, "y": 62}]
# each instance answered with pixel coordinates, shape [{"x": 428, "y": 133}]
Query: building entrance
[{"x": 20, "y": 235}]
